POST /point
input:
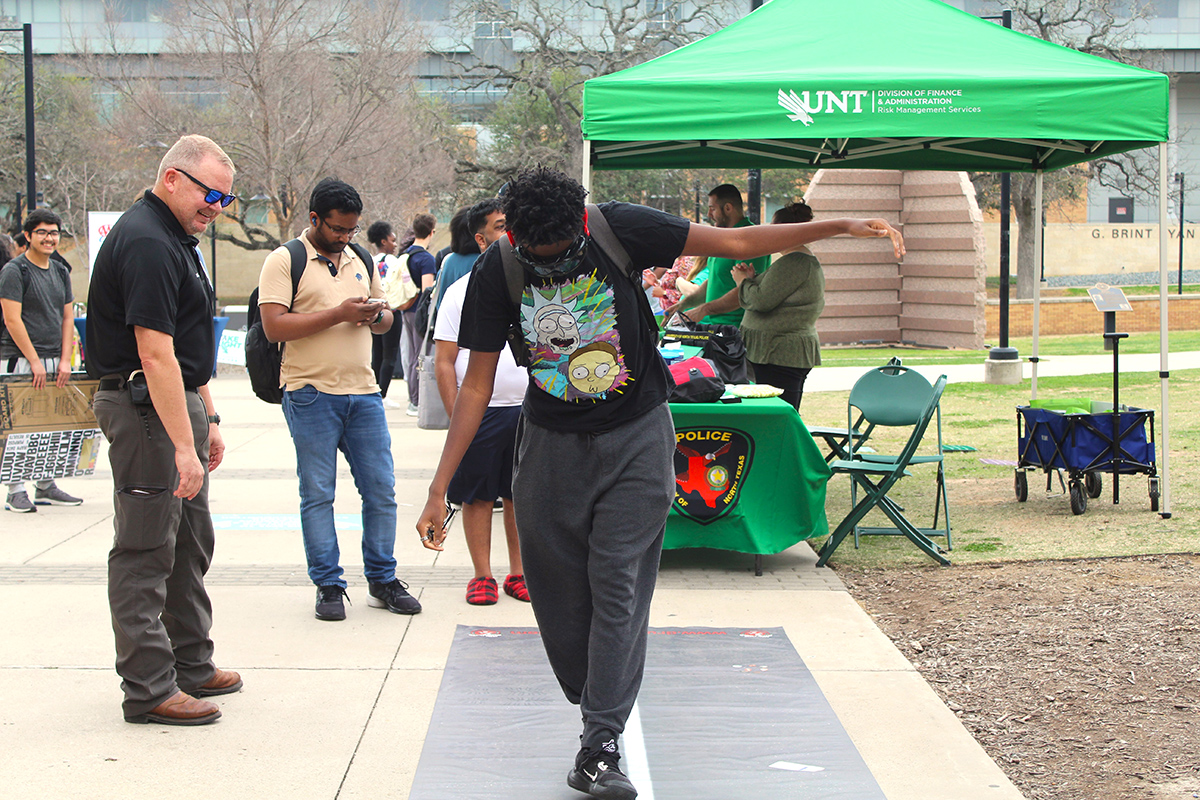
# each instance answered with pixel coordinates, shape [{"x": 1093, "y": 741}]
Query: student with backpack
[
  {"x": 330, "y": 399},
  {"x": 38, "y": 334},
  {"x": 593, "y": 480}
]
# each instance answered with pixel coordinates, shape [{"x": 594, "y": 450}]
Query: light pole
[
  {"x": 30, "y": 172},
  {"x": 754, "y": 175}
]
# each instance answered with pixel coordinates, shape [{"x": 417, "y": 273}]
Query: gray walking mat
[{"x": 723, "y": 713}]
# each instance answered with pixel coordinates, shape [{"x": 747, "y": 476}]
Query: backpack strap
[
  {"x": 602, "y": 234},
  {"x": 365, "y": 257},
  {"x": 299, "y": 254}
]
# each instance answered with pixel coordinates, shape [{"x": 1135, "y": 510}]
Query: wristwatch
[{"x": 214, "y": 419}]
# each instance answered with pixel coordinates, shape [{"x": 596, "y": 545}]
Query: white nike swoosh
[{"x": 591, "y": 777}]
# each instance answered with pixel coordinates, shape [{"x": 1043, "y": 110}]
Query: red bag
[{"x": 696, "y": 381}]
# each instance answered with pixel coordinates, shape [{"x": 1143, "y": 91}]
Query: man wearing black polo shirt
[
  {"x": 150, "y": 342},
  {"x": 593, "y": 480}
]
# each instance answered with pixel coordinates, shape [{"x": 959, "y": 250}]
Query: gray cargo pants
[
  {"x": 163, "y": 546},
  {"x": 591, "y": 511}
]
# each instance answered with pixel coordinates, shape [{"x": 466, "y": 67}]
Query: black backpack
[
  {"x": 264, "y": 358},
  {"x": 602, "y": 234}
]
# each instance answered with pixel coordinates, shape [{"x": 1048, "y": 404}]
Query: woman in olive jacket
[{"x": 782, "y": 305}]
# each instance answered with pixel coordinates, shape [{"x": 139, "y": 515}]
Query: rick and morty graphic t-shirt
[{"x": 594, "y": 365}]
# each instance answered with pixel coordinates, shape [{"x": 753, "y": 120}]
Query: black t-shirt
[
  {"x": 594, "y": 362},
  {"x": 148, "y": 274}
]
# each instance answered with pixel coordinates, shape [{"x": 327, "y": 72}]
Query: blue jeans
[{"x": 321, "y": 424}]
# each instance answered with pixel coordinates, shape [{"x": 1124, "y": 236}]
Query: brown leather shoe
[
  {"x": 180, "y": 709},
  {"x": 222, "y": 682}
]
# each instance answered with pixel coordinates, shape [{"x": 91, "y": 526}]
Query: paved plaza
[{"x": 341, "y": 710}]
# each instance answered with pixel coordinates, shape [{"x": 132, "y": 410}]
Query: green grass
[
  {"x": 1048, "y": 347},
  {"x": 988, "y": 523},
  {"x": 1173, "y": 288}
]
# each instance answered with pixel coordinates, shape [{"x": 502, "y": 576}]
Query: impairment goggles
[
  {"x": 560, "y": 264},
  {"x": 211, "y": 195}
]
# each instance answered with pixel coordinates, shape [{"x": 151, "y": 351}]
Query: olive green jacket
[{"x": 782, "y": 306}]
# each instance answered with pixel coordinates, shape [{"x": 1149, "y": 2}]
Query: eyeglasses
[
  {"x": 340, "y": 231},
  {"x": 211, "y": 195},
  {"x": 45, "y": 234}
]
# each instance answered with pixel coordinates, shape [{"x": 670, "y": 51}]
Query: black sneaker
[
  {"x": 393, "y": 596},
  {"x": 329, "y": 603},
  {"x": 596, "y": 773}
]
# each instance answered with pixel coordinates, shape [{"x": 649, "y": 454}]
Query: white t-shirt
[{"x": 511, "y": 380}]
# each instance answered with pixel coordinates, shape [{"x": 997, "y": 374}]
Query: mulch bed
[{"x": 1080, "y": 678}]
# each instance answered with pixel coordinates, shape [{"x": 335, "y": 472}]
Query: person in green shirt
[{"x": 716, "y": 300}]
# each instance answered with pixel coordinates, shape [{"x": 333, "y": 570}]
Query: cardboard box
[{"x": 47, "y": 433}]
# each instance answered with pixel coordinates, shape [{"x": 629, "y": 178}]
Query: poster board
[
  {"x": 99, "y": 224},
  {"x": 47, "y": 433}
]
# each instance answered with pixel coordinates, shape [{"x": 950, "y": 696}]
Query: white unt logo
[{"x": 802, "y": 106}]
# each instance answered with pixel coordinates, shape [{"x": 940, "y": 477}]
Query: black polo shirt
[{"x": 148, "y": 274}]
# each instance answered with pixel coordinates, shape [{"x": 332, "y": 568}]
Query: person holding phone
[{"x": 331, "y": 401}]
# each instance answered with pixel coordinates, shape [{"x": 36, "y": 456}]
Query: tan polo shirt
[{"x": 337, "y": 360}]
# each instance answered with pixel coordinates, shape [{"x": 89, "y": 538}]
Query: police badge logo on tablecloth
[{"x": 710, "y": 465}]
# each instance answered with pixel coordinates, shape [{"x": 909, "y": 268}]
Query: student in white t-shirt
[{"x": 485, "y": 472}]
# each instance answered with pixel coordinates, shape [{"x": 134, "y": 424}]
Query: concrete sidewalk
[{"x": 340, "y": 710}]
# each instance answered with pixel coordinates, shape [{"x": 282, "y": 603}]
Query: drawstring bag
[{"x": 696, "y": 381}]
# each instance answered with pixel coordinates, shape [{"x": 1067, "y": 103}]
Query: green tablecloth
[{"x": 749, "y": 478}]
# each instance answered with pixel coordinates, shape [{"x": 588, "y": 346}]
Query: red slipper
[
  {"x": 483, "y": 592},
  {"x": 514, "y": 586}
]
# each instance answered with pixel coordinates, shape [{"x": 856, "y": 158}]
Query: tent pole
[
  {"x": 587, "y": 167},
  {"x": 1037, "y": 279},
  {"x": 1164, "y": 442}
]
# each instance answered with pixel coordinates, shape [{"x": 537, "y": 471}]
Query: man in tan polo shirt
[{"x": 330, "y": 399}]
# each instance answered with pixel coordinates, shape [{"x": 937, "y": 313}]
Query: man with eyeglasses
[
  {"x": 38, "y": 333},
  {"x": 150, "y": 342},
  {"x": 331, "y": 401},
  {"x": 593, "y": 480}
]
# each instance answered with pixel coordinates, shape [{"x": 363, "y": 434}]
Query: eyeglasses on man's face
[
  {"x": 210, "y": 195},
  {"x": 46, "y": 233},
  {"x": 338, "y": 230}
]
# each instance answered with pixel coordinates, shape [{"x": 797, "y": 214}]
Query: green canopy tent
[{"x": 881, "y": 84}]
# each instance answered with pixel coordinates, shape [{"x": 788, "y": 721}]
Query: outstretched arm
[{"x": 754, "y": 241}]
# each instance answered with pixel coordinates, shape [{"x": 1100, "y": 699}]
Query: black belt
[{"x": 116, "y": 383}]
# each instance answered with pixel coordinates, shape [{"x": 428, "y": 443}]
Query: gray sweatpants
[
  {"x": 163, "y": 546},
  {"x": 591, "y": 511}
]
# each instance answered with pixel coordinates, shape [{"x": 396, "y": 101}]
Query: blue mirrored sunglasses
[{"x": 211, "y": 195}]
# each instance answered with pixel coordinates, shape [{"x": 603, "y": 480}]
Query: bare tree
[
  {"x": 297, "y": 90},
  {"x": 541, "y": 51},
  {"x": 1103, "y": 28}
]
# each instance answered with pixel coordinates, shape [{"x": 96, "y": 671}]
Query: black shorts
[{"x": 485, "y": 472}]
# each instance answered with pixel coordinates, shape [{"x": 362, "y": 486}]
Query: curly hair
[
  {"x": 378, "y": 231},
  {"x": 544, "y": 206}
]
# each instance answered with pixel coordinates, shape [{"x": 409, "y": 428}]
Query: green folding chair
[
  {"x": 838, "y": 439},
  {"x": 894, "y": 397}
]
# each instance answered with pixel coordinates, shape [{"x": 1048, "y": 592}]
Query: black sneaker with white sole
[
  {"x": 393, "y": 596},
  {"x": 596, "y": 773}
]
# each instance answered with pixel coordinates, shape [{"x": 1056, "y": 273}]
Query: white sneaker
[
  {"x": 412, "y": 410},
  {"x": 390, "y": 403}
]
